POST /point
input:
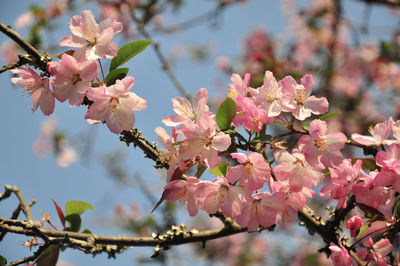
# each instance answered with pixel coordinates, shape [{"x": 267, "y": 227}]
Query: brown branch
[
  {"x": 392, "y": 3},
  {"x": 15, "y": 215},
  {"x": 173, "y": 238},
  {"x": 134, "y": 136},
  {"x": 24, "y": 205},
  {"x": 164, "y": 63},
  {"x": 39, "y": 59}
]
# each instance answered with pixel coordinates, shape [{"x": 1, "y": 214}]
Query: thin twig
[
  {"x": 164, "y": 63},
  {"x": 40, "y": 59},
  {"x": 24, "y": 205}
]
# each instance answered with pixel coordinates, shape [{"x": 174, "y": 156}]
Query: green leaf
[
  {"x": 220, "y": 169},
  {"x": 263, "y": 139},
  {"x": 225, "y": 113},
  {"x": 367, "y": 163},
  {"x": 200, "y": 170},
  {"x": 362, "y": 230},
  {"x": 77, "y": 207},
  {"x": 3, "y": 261},
  {"x": 118, "y": 73},
  {"x": 126, "y": 52},
  {"x": 74, "y": 221},
  {"x": 305, "y": 125},
  {"x": 49, "y": 256},
  {"x": 86, "y": 231},
  {"x": 329, "y": 115}
]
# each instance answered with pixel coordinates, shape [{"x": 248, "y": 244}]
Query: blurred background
[{"x": 350, "y": 47}]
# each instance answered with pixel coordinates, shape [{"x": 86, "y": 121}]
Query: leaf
[
  {"x": 220, "y": 169},
  {"x": 200, "y": 170},
  {"x": 86, "y": 231},
  {"x": 362, "y": 230},
  {"x": 263, "y": 139},
  {"x": 367, "y": 163},
  {"x": 126, "y": 52},
  {"x": 49, "y": 256},
  {"x": 74, "y": 221},
  {"x": 225, "y": 113},
  {"x": 329, "y": 115},
  {"x": 60, "y": 213},
  {"x": 3, "y": 261},
  {"x": 305, "y": 125},
  {"x": 118, "y": 73},
  {"x": 77, "y": 207}
]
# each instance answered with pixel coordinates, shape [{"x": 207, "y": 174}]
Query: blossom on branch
[
  {"x": 72, "y": 76},
  {"x": 37, "y": 87},
  {"x": 95, "y": 39},
  {"x": 114, "y": 105}
]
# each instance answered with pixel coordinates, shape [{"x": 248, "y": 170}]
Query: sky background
[{"x": 87, "y": 180}]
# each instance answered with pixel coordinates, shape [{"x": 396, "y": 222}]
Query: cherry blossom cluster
[
  {"x": 259, "y": 191},
  {"x": 72, "y": 78}
]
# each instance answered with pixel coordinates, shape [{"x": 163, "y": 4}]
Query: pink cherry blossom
[
  {"x": 297, "y": 98},
  {"x": 294, "y": 168},
  {"x": 343, "y": 178},
  {"x": 261, "y": 210},
  {"x": 219, "y": 194},
  {"x": 239, "y": 86},
  {"x": 183, "y": 190},
  {"x": 269, "y": 95},
  {"x": 255, "y": 118},
  {"x": 95, "y": 39},
  {"x": 319, "y": 147},
  {"x": 114, "y": 105},
  {"x": 375, "y": 251},
  {"x": 171, "y": 155},
  {"x": 37, "y": 87},
  {"x": 354, "y": 223},
  {"x": 379, "y": 133},
  {"x": 203, "y": 140},
  {"x": 72, "y": 77},
  {"x": 389, "y": 161},
  {"x": 185, "y": 111},
  {"x": 368, "y": 193},
  {"x": 252, "y": 171},
  {"x": 340, "y": 256}
]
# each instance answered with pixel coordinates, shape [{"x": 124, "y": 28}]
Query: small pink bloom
[
  {"x": 171, "y": 155},
  {"x": 9, "y": 51},
  {"x": 269, "y": 95},
  {"x": 354, "y": 223},
  {"x": 183, "y": 190},
  {"x": 23, "y": 20},
  {"x": 343, "y": 178},
  {"x": 340, "y": 256},
  {"x": 95, "y": 39},
  {"x": 203, "y": 140},
  {"x": 239, "y": 86},
  {"x": 252, "y": 171},
  {"x": 297, "y": 99},
  {"x": 72, "y": 77},
  {"x": 379, "y": 133},
  {"x": 220, "y": 194},
  {"x": 37, "y": 87},
  {"x": 294, "y": 168},
  {"x": 261, "y": 210},
  {"x": 375, "y": 251},
  {"x": 114, "y": 105},
  {"x": 185, "y": 111},
  {"x": 319, "y": 147}
]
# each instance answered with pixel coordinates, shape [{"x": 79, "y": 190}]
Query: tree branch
[
  {"x": 392, "y": 3},
  {"x": 39, "y": 59},
  {"x": 164, "y": 63},
  {"x": 24, "y": 205}
]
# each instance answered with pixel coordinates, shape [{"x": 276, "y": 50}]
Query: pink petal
[{"x": 317, "y": 105}]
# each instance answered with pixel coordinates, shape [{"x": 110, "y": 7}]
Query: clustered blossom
[
  {"x": 72, "y": 77},
  {"x": 256, "y": 193}
]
